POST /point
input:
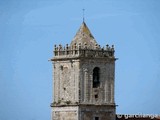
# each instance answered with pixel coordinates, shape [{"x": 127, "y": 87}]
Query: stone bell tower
[{"x": 84, "y": 75}]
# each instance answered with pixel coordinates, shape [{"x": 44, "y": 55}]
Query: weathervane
[{"x": 83, "y": 14}]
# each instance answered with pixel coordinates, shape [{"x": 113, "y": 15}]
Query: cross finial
[{"x": 83, "y": 14}]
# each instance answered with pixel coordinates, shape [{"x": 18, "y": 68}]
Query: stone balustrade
[{"x": 83, "y": 51}]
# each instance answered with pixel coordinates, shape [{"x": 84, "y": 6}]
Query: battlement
[{"x": 83, "y": 51}]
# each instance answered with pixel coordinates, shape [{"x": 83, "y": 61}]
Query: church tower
[{"x": 83, "y": 79}]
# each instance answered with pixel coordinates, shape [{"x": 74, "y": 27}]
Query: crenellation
[{"x": 82, "y": 51}]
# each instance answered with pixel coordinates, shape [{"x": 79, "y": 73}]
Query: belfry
[{"x": 84, "y": 78}]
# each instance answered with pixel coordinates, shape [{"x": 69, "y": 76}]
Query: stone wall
[
  {"x": 66, "y": 82},
  {"x": 105, "y": 92},
  {"x": 65, "y": 113},
  {"x": 83, "y": 112},
  {"x": 74, "y": 96},
  {"x": 93, "y": 111}
]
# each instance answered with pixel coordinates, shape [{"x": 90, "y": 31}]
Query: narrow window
[
  {"x": 96, "y": 96},
  {"x": 61, "y": 67},
  {"x": 96, "y": 81},
  {"x": 96, "y": 118}
]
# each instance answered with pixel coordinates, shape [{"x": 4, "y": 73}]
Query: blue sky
[{"x": 30, "y": 28}]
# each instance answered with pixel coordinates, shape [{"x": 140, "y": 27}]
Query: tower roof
[{"x": 84, "y": 37}]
